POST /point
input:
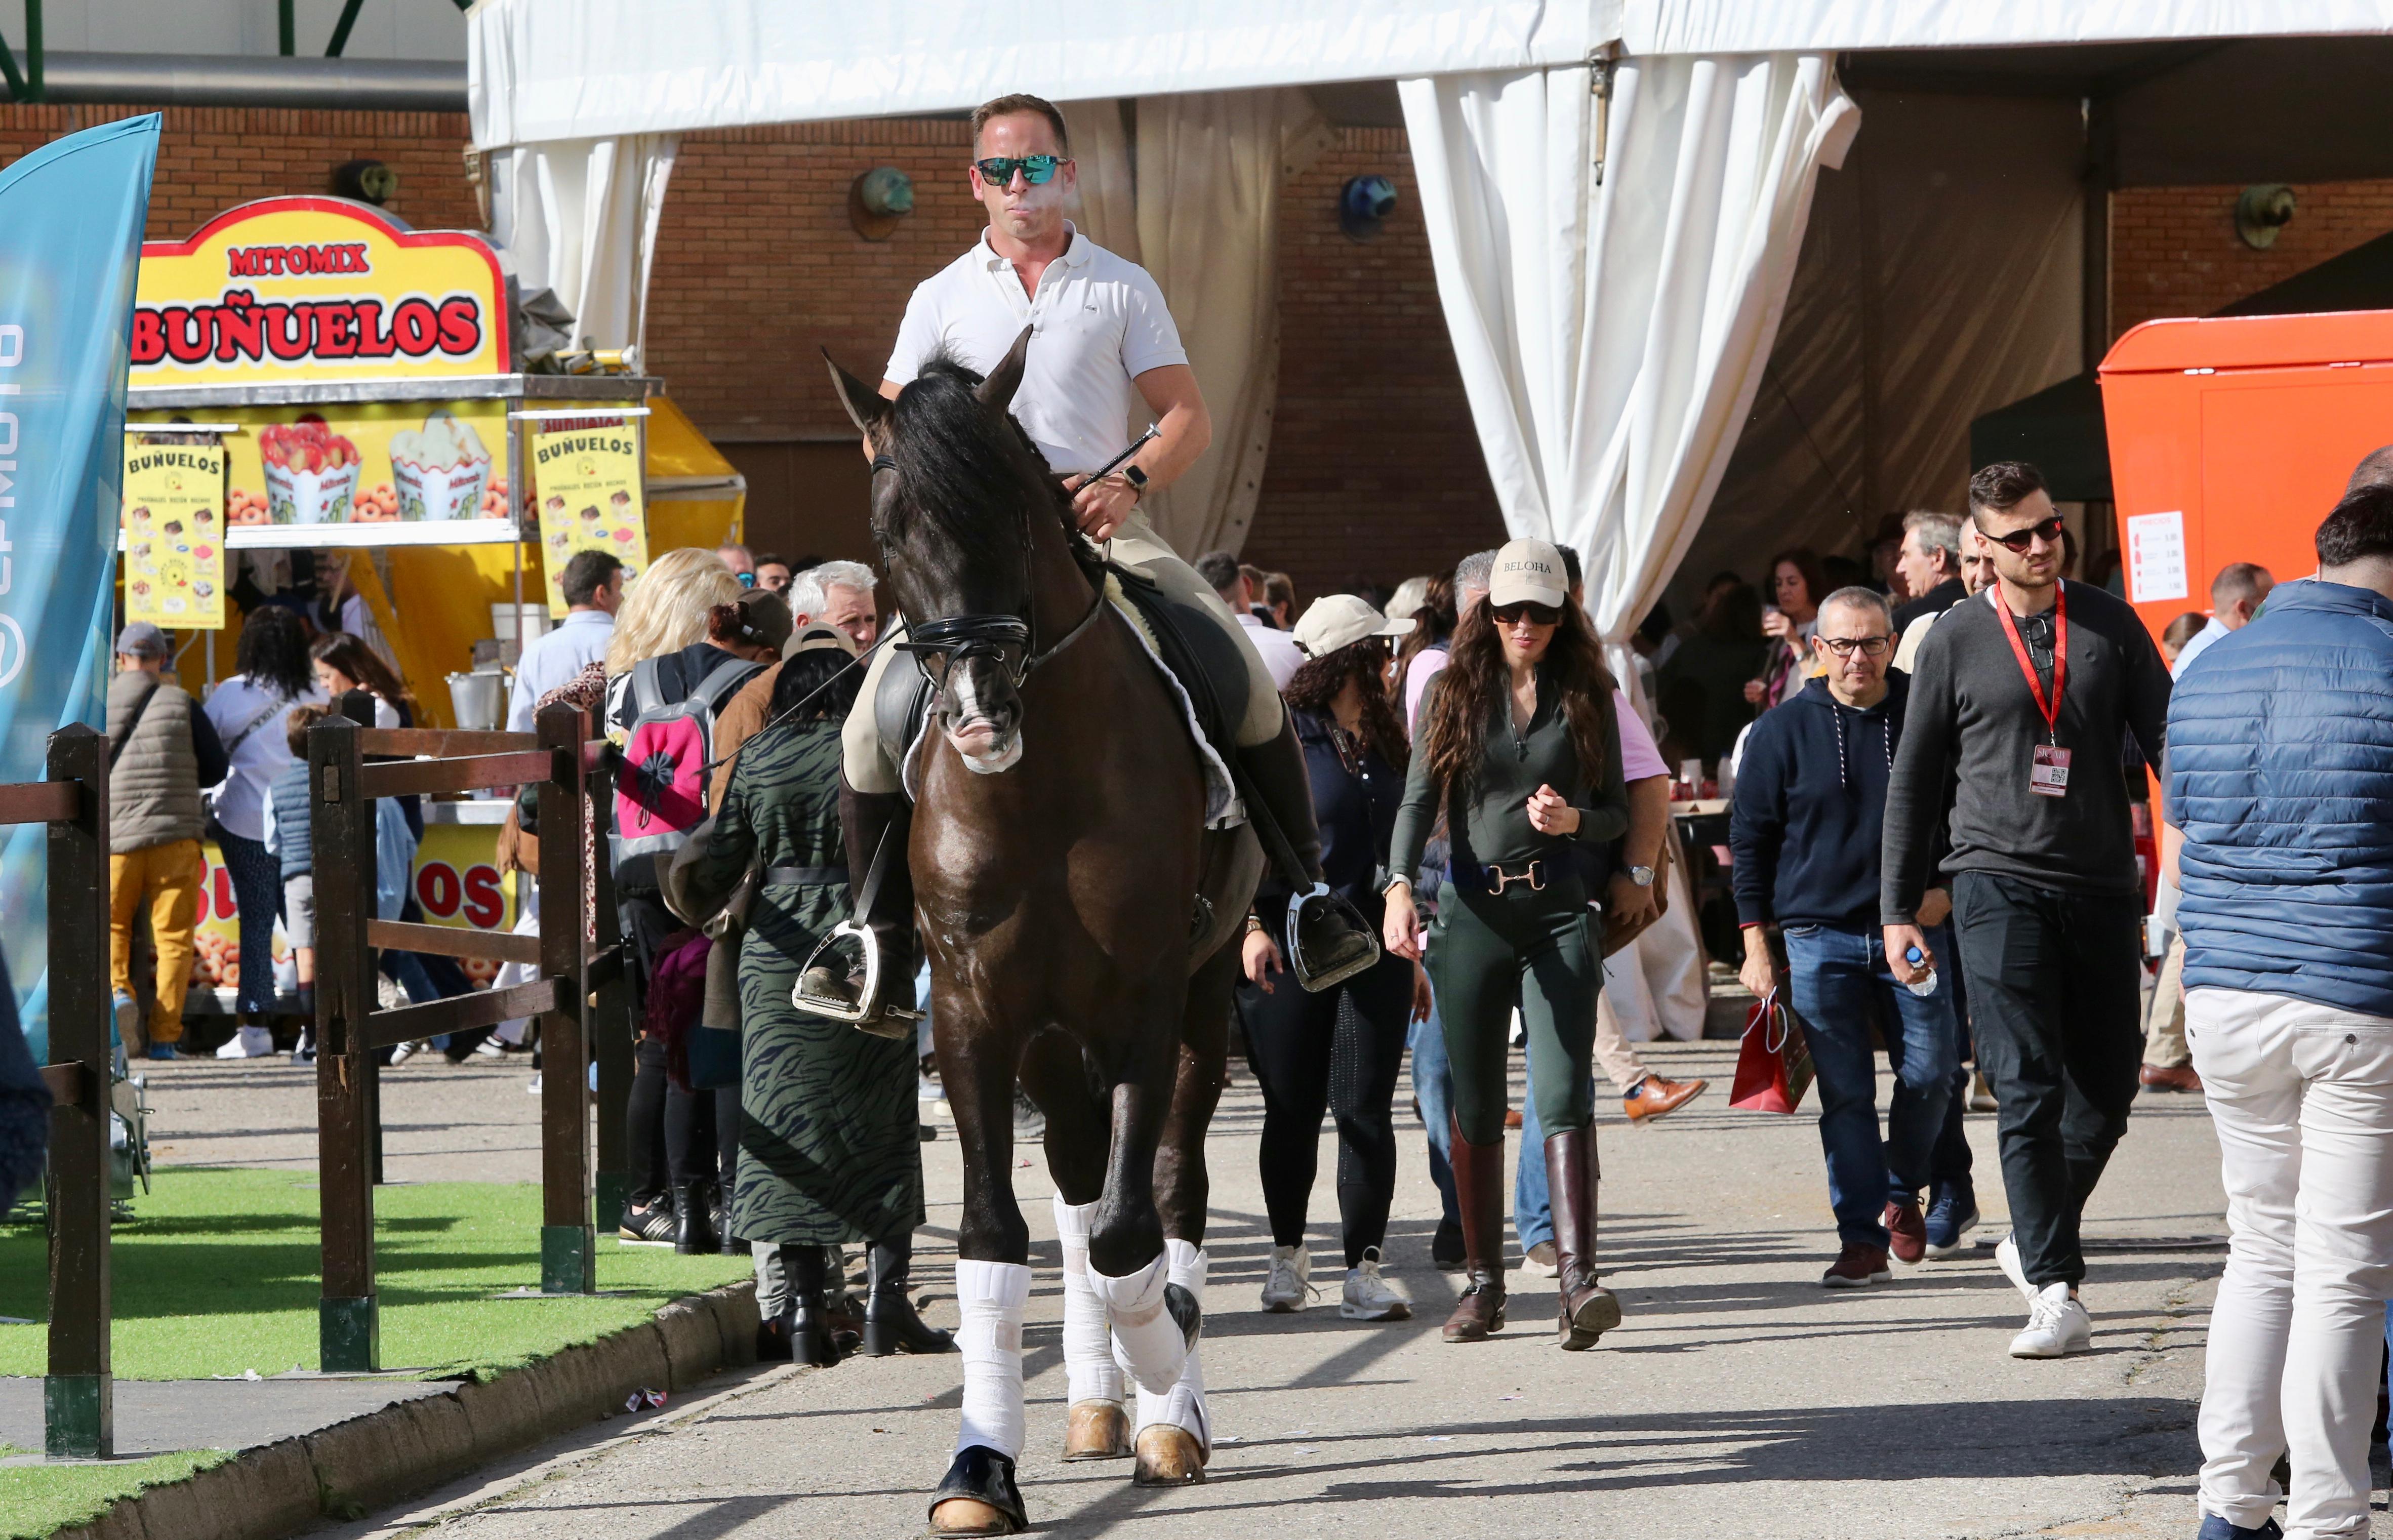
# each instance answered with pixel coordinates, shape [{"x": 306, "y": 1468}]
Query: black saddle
[{"x": 1194, "y": 649}]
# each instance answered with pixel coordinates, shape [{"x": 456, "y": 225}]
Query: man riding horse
[{"x": 1104, "y": 341}]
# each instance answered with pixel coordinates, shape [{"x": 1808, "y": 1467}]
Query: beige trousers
[
  {"x": 872, "y": 764},
  {"x": 1613, "y": 1051},
  {"x": 2164, "y": 1019}
]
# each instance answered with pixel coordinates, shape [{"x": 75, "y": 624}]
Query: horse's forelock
[{"x": 964, "y": 471}]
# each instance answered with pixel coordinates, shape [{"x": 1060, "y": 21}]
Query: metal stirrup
[{"x": 859, "y": 930}]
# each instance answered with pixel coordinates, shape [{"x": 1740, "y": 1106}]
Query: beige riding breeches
[{"x": 872, "y": 764}]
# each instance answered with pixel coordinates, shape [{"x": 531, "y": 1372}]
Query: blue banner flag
[{"x": 71, "y": 219}]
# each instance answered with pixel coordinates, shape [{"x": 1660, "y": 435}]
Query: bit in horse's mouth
[{"x": 984, "y": 748}]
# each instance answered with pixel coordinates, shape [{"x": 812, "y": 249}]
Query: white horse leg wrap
[
  {"x": 1184, "y": 1404},
  {"x": 1147, "y": 1337},
  {"x": 992, "y": 1298},
  {"x": 1089, "y": 1366}
]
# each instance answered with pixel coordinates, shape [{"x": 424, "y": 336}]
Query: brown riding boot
[
  {"x": 1479, "y": 1193},
  {"x": 1589, "y": 1310}
]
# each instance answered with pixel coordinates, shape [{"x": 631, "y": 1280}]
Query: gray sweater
[{"x": 1969, "y": 737}]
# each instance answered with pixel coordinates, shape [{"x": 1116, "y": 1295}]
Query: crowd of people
[{"x": 1936, "y": 765}]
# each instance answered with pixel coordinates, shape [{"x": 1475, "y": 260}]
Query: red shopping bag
[{"x": 1774, "y": 1065}]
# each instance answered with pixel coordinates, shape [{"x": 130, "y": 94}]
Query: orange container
[{"x": 2232, "y": 437}]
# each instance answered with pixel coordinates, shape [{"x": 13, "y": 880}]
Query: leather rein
[{"x": 959, "y": 637}]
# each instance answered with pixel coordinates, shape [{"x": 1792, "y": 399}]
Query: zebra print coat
[{"x": 828, "y": 1128}]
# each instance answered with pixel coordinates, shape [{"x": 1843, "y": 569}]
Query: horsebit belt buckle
[{"x": 1534, "y": 874}]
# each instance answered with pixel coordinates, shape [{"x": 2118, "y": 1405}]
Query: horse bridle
[{"x": 960, "y": 638}]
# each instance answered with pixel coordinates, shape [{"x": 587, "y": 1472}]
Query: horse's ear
[
  {"x": 866, "y": 407},
  {"x": 996, "y": 391}
]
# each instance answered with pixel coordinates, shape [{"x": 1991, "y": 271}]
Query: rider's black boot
[
  {"x": 1327, "y": 940},
  {"x": 891, "y": 1325},
  {"x": 866, "y": 820}
]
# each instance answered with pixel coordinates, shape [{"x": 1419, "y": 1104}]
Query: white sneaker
[
  {"x": 404, "y": 1052},
  {"x": 490, "y": 1048},
  {"x": 1284, "y": 1291},
  {"x": 1369, "y": 1295},
  {"x": 2006, "y": 1257},
  {"x": 250, "y": 1043},
  {"x": 2057, "y": 1325}
]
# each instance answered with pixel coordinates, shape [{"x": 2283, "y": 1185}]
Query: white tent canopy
[{"x": 550, "y": 70}]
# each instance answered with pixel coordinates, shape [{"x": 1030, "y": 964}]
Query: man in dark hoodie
[{"x": 1806, "y": 832}]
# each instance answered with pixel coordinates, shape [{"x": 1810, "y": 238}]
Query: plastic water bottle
[{"x": 1925, "y": 986}]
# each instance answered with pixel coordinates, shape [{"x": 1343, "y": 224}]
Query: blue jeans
[
  {"x": 1433, "y": 1088},
  {"x": 1831, "y": 973}
]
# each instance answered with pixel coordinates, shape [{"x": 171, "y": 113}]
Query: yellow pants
[{"x": 166, "y": 878}]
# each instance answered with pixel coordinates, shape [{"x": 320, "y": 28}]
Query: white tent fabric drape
[
  {"x": 1611, "y": 333},
  {"x": 1209, "y": 169},
  {"x": 578, "y": 217},
  {"x": 1610, "y": 336},
  {"x": 1196, "y": 202}
]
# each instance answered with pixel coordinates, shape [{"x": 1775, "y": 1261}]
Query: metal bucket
[{"x": 476, "y": 700}]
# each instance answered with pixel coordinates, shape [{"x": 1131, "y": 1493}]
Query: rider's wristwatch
[
  {"x": 1137, "y": 479},
  {"x": 1641, "y": 876}
]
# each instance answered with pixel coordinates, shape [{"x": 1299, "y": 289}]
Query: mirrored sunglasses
[
  {"x": 2016, "y": 541},
  {"x": 1036, "y": 170}
]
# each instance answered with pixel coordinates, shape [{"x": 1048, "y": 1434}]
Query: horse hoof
[
  {"x": 969, "y": 1516},
  {"x": 1096, "y": 1431},
  {"x": 978, "y": 1496},
  {"x": 1168, "y": 1455}
]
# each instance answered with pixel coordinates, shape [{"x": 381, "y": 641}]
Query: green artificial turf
[
  {"x": 36, "y": 1499},
  {"x": 217, "y": 1273}
]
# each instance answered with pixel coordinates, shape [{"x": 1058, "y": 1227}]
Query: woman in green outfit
[
  {"x": 1520, "y": 749},
  {"x": 828, "y": 1136}
]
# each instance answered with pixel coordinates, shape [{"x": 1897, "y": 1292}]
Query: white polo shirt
[{"x": 1100, "y": 323}]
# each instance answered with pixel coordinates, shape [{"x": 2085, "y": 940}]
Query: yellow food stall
[{"x": 347, "y": 388}]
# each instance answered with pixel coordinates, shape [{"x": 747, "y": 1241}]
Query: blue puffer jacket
[{"x": 2280, "y": 774}]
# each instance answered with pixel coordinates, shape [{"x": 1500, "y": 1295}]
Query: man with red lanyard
[{"x": 2019, "y": 707}]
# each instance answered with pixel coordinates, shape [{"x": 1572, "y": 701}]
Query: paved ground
[
  {"x": 1739, "y": 1398},
  {"x": 441, "y": 1122},
  {"x": 158, "y": 1416}
]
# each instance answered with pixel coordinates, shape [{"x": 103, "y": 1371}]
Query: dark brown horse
[{"x": 1080, "y": 918}]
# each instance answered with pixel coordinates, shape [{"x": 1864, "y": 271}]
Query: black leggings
[
  {"x": 1339, "y": 1050},
  {"x": 677, "y": 1136}
]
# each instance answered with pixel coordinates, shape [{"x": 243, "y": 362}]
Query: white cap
[
  {"x": 1527, "y": 571},
  {"x": 1340, "y": 621}
]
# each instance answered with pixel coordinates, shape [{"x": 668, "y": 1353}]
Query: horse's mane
[{"x": 967, "y": 473}]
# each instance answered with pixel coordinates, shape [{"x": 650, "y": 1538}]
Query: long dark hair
[
  {"x": 350, "y": 655},
  {"x": 273, "y": 651},
  {"x": 1316, "y": 685},
  {"x": 1805, "y": 560},
  {"x": 805, "y": 672},
  {"x": 1433, "y": 623},
  {"x": 1475, "y": 683}
]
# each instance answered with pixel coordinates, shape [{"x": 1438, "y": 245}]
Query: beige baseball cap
[
  {"x": 1336, "y": 621},
  {"x": 815, "y": 636},
  {"x": 1527, "y": 571}
]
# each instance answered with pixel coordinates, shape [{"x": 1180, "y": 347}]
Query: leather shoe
[
  {"x": 1906, "y": 1230},
  {"x": 2170, "y": 1077},
  {"x": 1654, "y": 1097}
]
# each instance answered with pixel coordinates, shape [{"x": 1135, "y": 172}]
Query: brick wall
[
  {"x": 211, "y": 158},
  {"x": 1375, "y": 469},
  {"x": 2174, "y": 250}
]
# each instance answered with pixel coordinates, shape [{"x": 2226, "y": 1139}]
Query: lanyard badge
[{"x": 2047, "y": 774}]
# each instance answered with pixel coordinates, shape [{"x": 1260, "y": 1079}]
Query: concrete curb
[{"x": 352, "y": 1468}]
